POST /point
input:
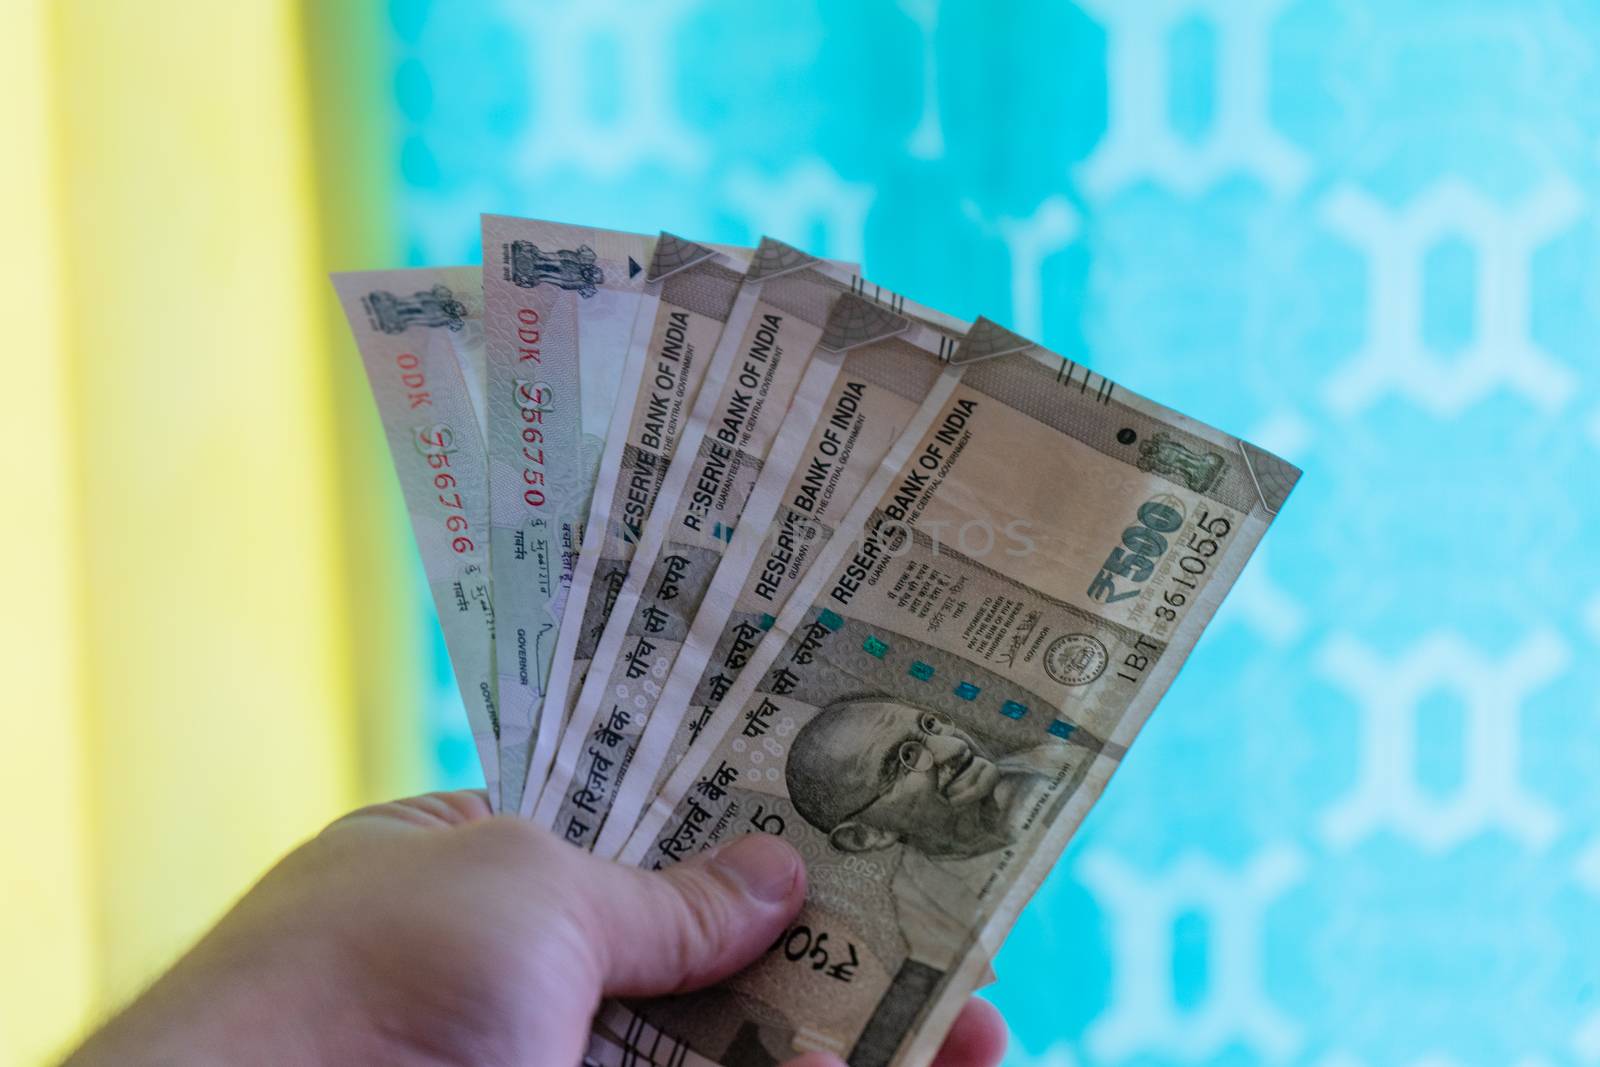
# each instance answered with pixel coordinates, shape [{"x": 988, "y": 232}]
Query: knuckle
[
  {"x": 517, "y": 842},
  {"x": 705, "y": 919}
]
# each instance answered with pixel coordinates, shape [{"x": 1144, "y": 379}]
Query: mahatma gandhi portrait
[{"x": 875, "y": 773}]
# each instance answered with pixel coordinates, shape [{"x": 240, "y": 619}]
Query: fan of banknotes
[{"x": 729, "y": 540}]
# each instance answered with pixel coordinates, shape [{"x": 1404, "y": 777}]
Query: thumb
[{"x": 695, "y": 924}]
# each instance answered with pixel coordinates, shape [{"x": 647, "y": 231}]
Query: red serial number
[
  {"x": 531, "y": 400},
  {"x": 439, "y": 441}
]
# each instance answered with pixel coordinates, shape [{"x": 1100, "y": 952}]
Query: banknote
[
  {"x": 947, "y": 692},
  {"x": 607, "y": 1049},
  {"x": 559, "y": 303},
  {"x": 771, "y": 334},
  {"x": 688, "y": 294},
  {"x": 871, "y": 370},
  {"x": 420, "y": 333}
]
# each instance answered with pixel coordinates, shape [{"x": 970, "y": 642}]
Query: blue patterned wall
[{"x": 1364, "y": 828}]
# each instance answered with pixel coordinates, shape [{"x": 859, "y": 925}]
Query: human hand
[{"x": 425, "y": 931}]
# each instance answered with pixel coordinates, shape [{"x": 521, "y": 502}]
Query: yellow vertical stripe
[
  {"x": 45, "y": 952},
  {"x": 215, "y": 629},
  {"x": 353, "y": 204},
  {"x": 206, "y": 650}
]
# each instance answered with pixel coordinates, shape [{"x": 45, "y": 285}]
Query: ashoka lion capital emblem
[
  {"x": 1161, "y": 454},
  {"x": 575, "y": 269},
  {"x": 427, "y": 307}
]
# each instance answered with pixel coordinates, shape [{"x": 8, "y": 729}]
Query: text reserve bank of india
[
  {"x": 559, "y": 304},
  {"x": 688, "y": 294},
  {"x": 947, "y": 692},
  {"x": 420, "y": 334},
  {"x": 871, "y": 370},
  {"x": 749, "y": 381},
  {"x": 779, "y": 315}
]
